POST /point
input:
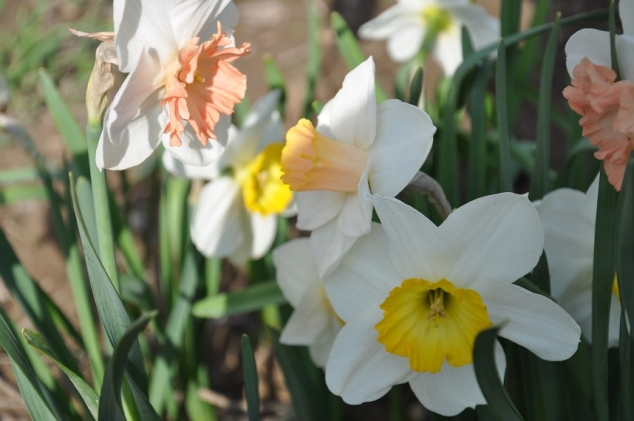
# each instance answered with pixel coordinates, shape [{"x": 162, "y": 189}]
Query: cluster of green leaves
[{"x": 129, "y": 379}]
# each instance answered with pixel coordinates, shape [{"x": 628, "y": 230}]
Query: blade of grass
[
  {"x": 477, "y": 183},
  {"x": 250, "y": 372},
  {"x": 416, "y": 87},
  {"x": 313, "y": 66},
  {"x": 506, "y": 183},
  {"x": 110, "y": 405},
  {"x": 540, "y": 183},
  {"x": 489, "y": 379},
  {"x": 250, "y": 299},
  {"x": 16, "y": 194},
  {"x": 90, "y": 397}
]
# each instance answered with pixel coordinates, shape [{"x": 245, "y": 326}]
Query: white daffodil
[
  {"x": 358, "y": 149},
  {"x": 606, "y": 107},
  {"x": 178, "y": 88},
  {"x": 406, "y": 24},
  {"x": 236, "y": 213},
  {"x": 414, "y": 297},
  {"x": 569, "y": 218},
  {"x": 313, "y": 323}
]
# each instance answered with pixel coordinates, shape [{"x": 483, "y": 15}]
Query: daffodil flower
[
  {"x": 313, "y": 323},
  {"x": 181, "y": 87},
  {"x": 236, "y": 214},
  {"x": 406, "y": 24},
  {"x": 414, "y": 296},
  {"x": 606, "y": 106},
  {"x": 569, "y": 218},
  {"x": 358, "y": 149}
]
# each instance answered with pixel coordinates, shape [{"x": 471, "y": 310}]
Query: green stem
[{"x": 102, "y": 209}]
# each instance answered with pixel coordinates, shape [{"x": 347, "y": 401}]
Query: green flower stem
[{"x": 102, "y": 209}]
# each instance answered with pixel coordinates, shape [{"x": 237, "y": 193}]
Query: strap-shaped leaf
[
  {"x": 489, "y": 379},
  {"x": 250, "y": 372},
  {"x": 249, "y": 299},
  {"x": 90, "y": 397}
]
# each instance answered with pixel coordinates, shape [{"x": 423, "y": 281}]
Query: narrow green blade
[
  {"x": 250, "y": 299},
  {"x": 250, "y": 372}
]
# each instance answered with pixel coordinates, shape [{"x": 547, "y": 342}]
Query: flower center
[
  {"x": 436, "y": 18},
  {"x": 262, "y": 188},
  {"x": 201, "y": 85},
  {"x": 607, "y": 115},
  {"x": 312, "y": 161},
  {"x": 430, "y": 322}
]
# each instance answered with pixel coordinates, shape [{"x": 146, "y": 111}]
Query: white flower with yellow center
[
  {"x": 313, "y": 323},
  {"x": 358, "y": 149},
  {"x": 569, "y": 218},
  {"x": 236, "y": 214},
  {"x": 406, "y": 24},
  {"x": 414, "y": 297},
  {"x": 181, "y": 87}
]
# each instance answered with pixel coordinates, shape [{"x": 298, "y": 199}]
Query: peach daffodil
[
  {"x": 358, "y": 149},
  {"x": 237, "y": 210},
  {"x": 181, "y": 87},
  {"x": 606, "y": 106},
  {"x": 414, "y": 296},
  {"x": 313, "y": 323}
]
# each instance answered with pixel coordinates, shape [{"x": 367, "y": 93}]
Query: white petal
[
  {"x": 219, "y": 220},
  {"x": 353, "y": 115},
  {"x": 626, "y": 11},
  {"x": 365, "y": 276},
  {"x": 497, "y": 237},
  {"x": 263, "y": 231},
  {"x": 405, "y": 43},
  {"x": 624, "y": 53},
  {"x": 248, "y": 140},
  {"x": 320, "y": 352},
  {"x": 453, "y": 389},
  {"x": 448, "y": 50},
  {"x": 197, "y": 18},
  {"x": 532, "y": 321},
  {"x": 483, "y": 28},
  {"x": 614, "y": 329},
  {"x": 309, "y": 321},
  {"x": 139, "y": 25},
  {"x": 295, "y": 269},
  {"x": 590, "y": 43},
  {"x": 403, "y": 140},
  {"x": 359, "y": 369},
  {"x": 179, "y": 169},
  {"x": 388, "y": 22},
  {"x": 328, "y": 245},
  {"x": 140, "y": 138},
  {"x": 414, "y": 241},
  {"x": 323, "y": 120},
  {"x": 356, "y": 212},
  {"x": 138, "y": 93},
  {"x": 192, "y": 151},
  {"x": 316, "y": 208},
  {"x": 568, "y": 238}
]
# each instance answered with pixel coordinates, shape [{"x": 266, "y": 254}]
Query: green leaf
[
  {"x": 110, "y": 405},
  {"x": 541, "y": 274},
  {"x": 604, "y": 271},
  {"x": 477, "y": 180},
  {"x": 489, "y": 379},
  {"x": 416, "y": 87},
  {"x": 250, "y": 299},
  {"x": 506, "y": 182},
  {"x": 275, "y": 80},
  {"x": 65, "y": 122},
  {"x": 250, "y": 372},
  {"x": 90, "y": 397},
  {"x": 540, "y": 183},
  {"x": 17, "y": 176},
  {"x": 309, "y": 405},
  {"x": 15, "y": 194},
  {"x": 27, "y": 380},
  {"x": 625, "y": 257},
  {"x": 626, "y": 359},
  {"x": 112, "y": 312},
  {"x": 313, "y": 66},
  {"x": 87, "y": 206},
  {"x": 349, "y": 48},
  {"x": 467, "y": 43}
]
